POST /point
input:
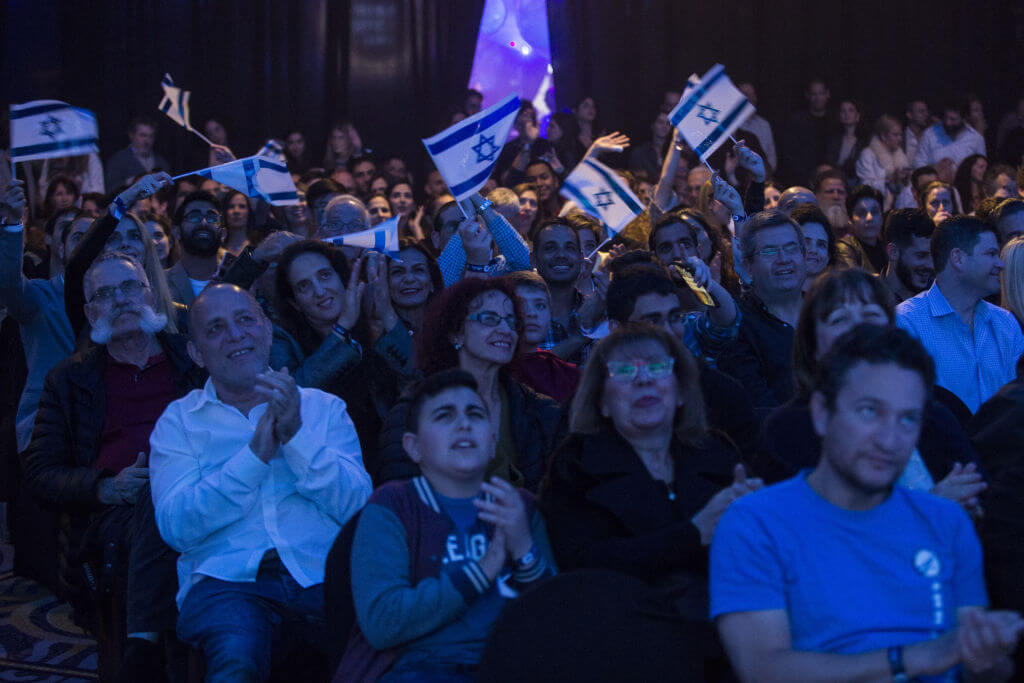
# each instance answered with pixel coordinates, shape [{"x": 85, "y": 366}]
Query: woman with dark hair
[
  {"x": 414, "y": 278},
  {"x": 474, "y": 325},
  {"x": 239, "y": 219},
  {"x": 61, "y": 194},
  {"x": 401, "y": 197},
  {"x": 324, "y": 341},
  {"x": 563, "y": 134},
  {"x": 944, "y": 462},
  {"x": 296, "y": 151},
  {"x": 819, "y": 241},
  {"x": 845, "y": 144},
  {"x": 639, "y": 484},
  {"x": 968, "y": 181},
  {"x": 585, "y": 112},
  {"x": 166, "y": 246}
]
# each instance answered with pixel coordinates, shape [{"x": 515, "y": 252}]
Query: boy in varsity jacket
[{"x": 434, "y": 559}]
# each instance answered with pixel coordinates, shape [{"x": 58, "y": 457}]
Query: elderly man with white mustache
[{"x": 88, "y": 457}]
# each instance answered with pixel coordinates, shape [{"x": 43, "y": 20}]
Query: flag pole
[
  {"x": 598, "y": 247},
  {"x": 708, "y": 165},
  {"x": 202, "y": 137}
]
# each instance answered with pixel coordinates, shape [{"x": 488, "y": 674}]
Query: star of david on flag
[
  {"x": 254, "y": 177},
  {"x": 175, "y": 102},
  {"x": 602, "y": 193},
  {"x": 44, "y": 129},
  {"x": 709, "y": 111},
  {"x": 382, "y": 238},
  {"x": 466, "y": 153}
]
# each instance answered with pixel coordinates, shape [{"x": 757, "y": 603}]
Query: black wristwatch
[{"x": 896, "y": 668}]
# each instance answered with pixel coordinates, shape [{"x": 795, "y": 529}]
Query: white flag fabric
[
  {"x": 466, "y": 153},
  {"x": 602, "y": 193},
  {"x": 273, "y": 151},
  {"x": 710, "y": 111},
  {"x": 175, "y": 102},
  {"x": 255, "y": 177},
  {"x": 382, "y": 238},
  {"x": 44, "y": 129}
]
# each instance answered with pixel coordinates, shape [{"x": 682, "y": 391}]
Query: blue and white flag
[
  {"x": 382, "y": 238},
  {"x": 466, "y": 153},
  {"x": 602, "y": 193},
  {"x": 273, "y": 151},
  {"x": 175, "y": 102},
  {"x": 255, "y": 177},
  {"x": 47, "y": 128},
  {"x": 710, "y": 111}
]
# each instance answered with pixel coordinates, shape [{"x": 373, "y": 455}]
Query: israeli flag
[
  {"x": 710, "y": 111},
  {"x": 602, "y": 193},
  {"x": 255, "y": 177},
  {"x": 466, "y": 153},
  {"x": 273, "y": 151},
  {"x": 382, "y": 238},
  {"x": 175, "y": 102},
  {"x": 45, "y": 129}
]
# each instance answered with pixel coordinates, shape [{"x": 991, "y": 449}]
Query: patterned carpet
[{"x": 38, "y": 641}]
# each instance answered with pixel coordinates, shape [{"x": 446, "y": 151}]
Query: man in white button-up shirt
[{"x": 252, "y": 479}]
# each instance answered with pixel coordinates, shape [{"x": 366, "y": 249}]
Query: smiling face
[
  {"x": 816, "y": 248},
  {"x": 409, "y": 279},
  {"x": 867, "y": 438},
  {"x": 643, "y": 405},
  {"x": 979, "y": 270},
  {"x": 127, "y": 238},
  {"x": 453, "y": 441},
  {"x": 230, "y": 337},
  {"x": 317, "y": 290},
  {"x": 914, "y": 266},
  {"x": 558, "y": 255},
  {"x": 540, "y": 175},
  {"x": 483, "y": 344},
  {"x": 782, "y": 272}
]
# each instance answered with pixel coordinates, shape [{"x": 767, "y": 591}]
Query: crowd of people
[{"x": 768, "y": 431}]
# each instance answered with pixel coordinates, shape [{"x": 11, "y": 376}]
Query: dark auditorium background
[{"x": 395, "y": 67}]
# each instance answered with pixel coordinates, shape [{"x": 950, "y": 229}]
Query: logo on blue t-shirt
[{"x": 926, "y": 562}]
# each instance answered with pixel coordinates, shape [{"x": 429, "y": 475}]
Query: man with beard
[
  {"x": 558, "y": 259},
  {"x": 952, "y": 138},
  {"x": 975, "y": 344},
  {"x": 199, "y": 228},
  {"x": 88, "y": 457},
  {"x": 830, "y": 191},
  {"x": 772, "y": 250},
  {"x": 908, "y": 234}
]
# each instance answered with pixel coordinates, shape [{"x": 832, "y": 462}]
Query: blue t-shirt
[
  {"x": 461, "y": 641},
  {"x": 850, "y": 581}
]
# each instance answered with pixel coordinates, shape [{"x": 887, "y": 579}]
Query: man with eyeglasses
[
  {"x": 772, "y": 252},
  {"x": 88, "y": 457},
  {"x": 199, "y": 228}
]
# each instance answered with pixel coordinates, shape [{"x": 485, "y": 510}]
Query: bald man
[{"x": 252, "y": 477}]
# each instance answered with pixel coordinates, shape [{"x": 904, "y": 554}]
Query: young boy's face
[
  {"x": 536, "y": 309},
  {"x": 454, "y": 439}
]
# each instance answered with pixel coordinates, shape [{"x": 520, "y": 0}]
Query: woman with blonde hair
[
  {"x": 1011, "y": 280},
  {"x": 120, "y": 230},
  {"x": 882, "y": 164}
]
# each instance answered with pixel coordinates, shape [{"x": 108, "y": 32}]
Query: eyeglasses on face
[
  {"x": 789, "y": 249},
  {"x": 129, "y": 289},
  {"x": 199, "y": 217},
  {"x": 492, "y": 319},
  {"x": 627, "y": 372}
]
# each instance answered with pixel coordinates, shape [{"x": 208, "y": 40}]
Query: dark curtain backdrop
[
  {"x": 391, "y": 67},
  {"x": 628, "y": 52}
]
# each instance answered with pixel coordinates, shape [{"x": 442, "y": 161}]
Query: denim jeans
[{"x": 237, "y": 625}]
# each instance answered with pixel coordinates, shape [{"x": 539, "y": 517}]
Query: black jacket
[
  {"x": 788, "y": 442},
  {"x": 761, "y": 357},
  {"x": 58, "y": 463},
  {"x": 604, "y": 510},
  {"x": 537, "y": 426}
]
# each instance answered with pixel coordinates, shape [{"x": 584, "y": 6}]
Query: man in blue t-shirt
[{"x": 839, "y": 575}]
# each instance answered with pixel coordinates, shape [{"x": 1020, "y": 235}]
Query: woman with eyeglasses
[
  {"x": 120, "y": 230},
  {"x": 474, "y": 325},
  {"x": 639, "y": 484},
  {"x": 323, "y": 338}
]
